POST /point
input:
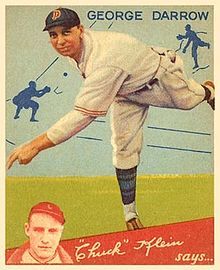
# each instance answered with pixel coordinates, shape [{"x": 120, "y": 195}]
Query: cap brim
[
  {"x": 47, "y": 27},
  {"x": 59, "y": 23}
]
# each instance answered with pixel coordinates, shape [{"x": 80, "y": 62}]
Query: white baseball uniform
[{"x": 129, "y": 75}]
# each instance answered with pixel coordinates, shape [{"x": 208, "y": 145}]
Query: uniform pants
[{"x": 171, "y": 89}]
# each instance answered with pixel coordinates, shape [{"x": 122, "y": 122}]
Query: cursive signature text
[
  {"x": 156, "y": 242},
  {"x": 87, "y": 250}
]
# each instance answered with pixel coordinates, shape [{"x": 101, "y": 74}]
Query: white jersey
[{"x": 111, "y": 63}]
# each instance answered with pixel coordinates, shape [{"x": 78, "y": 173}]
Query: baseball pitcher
[{"x": 126, "y": 74}]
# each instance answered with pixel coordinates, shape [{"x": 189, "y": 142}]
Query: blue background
[{"x": 29, "y": 53}]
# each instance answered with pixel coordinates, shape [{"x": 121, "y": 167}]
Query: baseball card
[{"x": 110, "y": 135}]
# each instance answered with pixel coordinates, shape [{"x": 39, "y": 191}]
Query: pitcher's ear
[{"x": 81, "y": 28}]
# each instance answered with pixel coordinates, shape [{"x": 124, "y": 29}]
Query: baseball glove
[{"x": 179, "y": 37}]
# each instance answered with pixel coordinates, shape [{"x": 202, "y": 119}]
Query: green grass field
[{"x": 92, "y": 205}]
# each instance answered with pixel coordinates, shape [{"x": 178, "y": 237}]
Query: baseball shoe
[
  {"x": 211, "y": 96},
  {"x": 134, "y": 224},
  {"x": 196, "y": 66}
]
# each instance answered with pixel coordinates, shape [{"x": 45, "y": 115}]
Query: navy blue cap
[{"x": 61, "y": 17}]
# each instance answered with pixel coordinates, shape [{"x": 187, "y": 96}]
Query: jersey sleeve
[
  {"x": 68, "y": 126},
  {"x": 99, "y": 90}
]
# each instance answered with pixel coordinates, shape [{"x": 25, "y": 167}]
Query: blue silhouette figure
[
  {"x": 23, "y": 99},
  {"x": 196, "y": 43}
]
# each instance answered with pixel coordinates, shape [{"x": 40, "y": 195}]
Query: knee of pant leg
[
  {"x": 187, "y": 102},
  {"x": 193, "y": 95},
  {"x": 125, "y": 162},
  {"x": 185, "y": 94},
  {"x": 126, "y": 153}
]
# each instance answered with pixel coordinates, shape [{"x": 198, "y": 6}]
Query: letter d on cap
[{"x": 56, "y": 14}]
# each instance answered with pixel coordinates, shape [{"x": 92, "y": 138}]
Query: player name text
[
  {"x": 118, "y": 15},
  {"x": 94, "y": 250},
  {"x": 157, "y": 242},
  {"x": 179, "y": 15},
  {"x": 87, "y": 250}
]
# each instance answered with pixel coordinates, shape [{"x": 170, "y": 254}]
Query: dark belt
[
  {"x": 149, "y": 84},
  {"x": 153, "y": 81}
]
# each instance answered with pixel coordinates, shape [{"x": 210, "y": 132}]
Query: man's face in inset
[
  {"x": 67, "y": 40},
  {"x": 44, "y": 233}
]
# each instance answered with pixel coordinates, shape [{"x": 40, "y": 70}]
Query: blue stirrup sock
[{"x": 127, "y": 183}]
